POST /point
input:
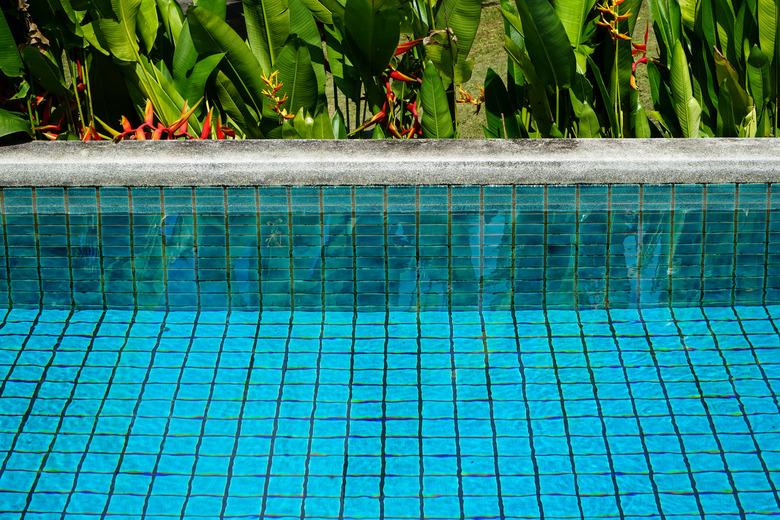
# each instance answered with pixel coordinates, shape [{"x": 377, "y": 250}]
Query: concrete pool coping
[{"x": 423, "y": 162}]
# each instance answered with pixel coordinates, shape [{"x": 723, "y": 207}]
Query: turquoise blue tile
[{"x": 561, "y": 409}]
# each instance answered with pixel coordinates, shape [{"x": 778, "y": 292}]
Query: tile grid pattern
[
  {"x": 219, "y": 248},
  {"x": 404, "y": 406},
  {"x": 674, "y": 418}
]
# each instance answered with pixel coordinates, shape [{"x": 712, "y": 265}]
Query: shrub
[
  {"x": 76, "y": 68},
  {"x": 572, "y": 64}
]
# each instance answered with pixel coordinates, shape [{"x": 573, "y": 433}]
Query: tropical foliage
[
  {"x": 147, "y": 69},
  {"x": 717, "y": 73},
  {"x": 94, "y": 69},
  {"x": 572, "y": 66}
]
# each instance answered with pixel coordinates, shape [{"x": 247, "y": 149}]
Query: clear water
[{"x": 443, "y": 353}]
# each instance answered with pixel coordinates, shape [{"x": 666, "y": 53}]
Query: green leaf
[
  {"x": 267, "y": 28},
  {"x": 192, "y": 85},
  {"x": 46, "y": 73},
  {"x": 662, "y": 101},
  {"x": 767, "y": 27},
  {"x": 667, "y": 22},
  {"x": 119, "y": 35},
  {"x": 442, "y": 51},
  {"x": 463, "y": 70},
  {"x": 338, "y": 125},
  {"x": 688, "y": 11},
  {"x": 172, "y": 18},
  {"x": 758, "y": 76},
  {"x": 21, "y": 92},
  {"x": 726, "y": 120},
  {"x": 462, "y": 16},
  {"x": 378, "y": 133},
  {"x": 344, "y": 75},
  {"x": 303, "y": 125},
  {"x": 510, "y": 16},
  {"x": 535, "y": 89},
  {"x": 705, "y": 23},
  {"x": 304, "y": 26},
  {"x": 606, "y": 98},
  {"x": 319, "y": 11},
  {"x": 724, "y": 23},
  {"x": 13, "y": 123},
  {"x": 573, "y": 15},
  {"x": 686, "y": 107},
  {"x": 10, "y": 60},
  {"x": 148, "y": 23},
  {"x": 373, "y": 28},
  {"x": 741, "y": 101},
  {"x": 297, "y": 75},
  {"x": 547, "y": 43},
  {"x": 501, "y": 121},
  {"x": 93, "y": 36},
  {"x": 581, "y": 97},
  {"x": 218, "y": 7},
  {"x": 231, "y": 102},
  {"x": 749, "y": 124},
  {"x": 213, "y": 36},
  {"x": 639, "y": 121},
  {"x": 185, "y": 55},
  {"x": 519, "y": 56},
  {"x": 322, "y": 126},
  {"x": 155, "y": 84},
  {"x": 436, "y": 119}
]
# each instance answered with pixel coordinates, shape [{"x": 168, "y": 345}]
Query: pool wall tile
[{"x": 395, "y": 248}]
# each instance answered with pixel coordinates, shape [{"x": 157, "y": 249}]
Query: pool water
[{"x": 389, "y": 353}]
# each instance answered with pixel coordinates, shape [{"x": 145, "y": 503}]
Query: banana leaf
[
  {"x": 319, "y": 11},
  {"x": 767, "y": 27},
  {"x": 339, "y": 127},
  {"x": 172, "y": 18},
  {"x": 10, "y": 61},
  {"x": 640, "y": 126},
  {"x": 462, "y": 16},
  {"x": 372, "y": 30},
  {"x": 148, "y": 23},
  {"x": 734, "y": 101},
  {"x": 118, "y": 35},
  {"x": 296, "y": 73},
  {"x": 547, "y": 43},
  {"x": 667, "y": 24},
  {"x": 231, "y": 103},
  {"x": 192, "y": 84},
  {"x": 304, "y": 26},
  {"x": 213, "y": 36},
  {"x": 267, "y": 28},
  {"x": 45, "y": 72},
  {"x": 573, "y": 15},
  {"x": 686, "y": 107},
  {"x": 501, "y": 120},
  {"x": 759, "y": 79},
  {"x": 581, "y": 98},
  {"x": 13, "y": 123},
  {"x": 436, "y": 118},
  {"x": 218, "y": 7}
]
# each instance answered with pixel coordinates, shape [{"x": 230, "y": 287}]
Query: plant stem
[
  {"x": 30, "y": 114},
  {"x": 76, "y": 94},
  {"x": 346, "y": 107},
  {"x": 616, "y": 93},
  {"x": 89, "y": 92},
  {"x": 335, "y": 95}
]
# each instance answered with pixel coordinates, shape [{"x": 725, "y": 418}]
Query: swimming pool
[{"x": 576, "y": 351}]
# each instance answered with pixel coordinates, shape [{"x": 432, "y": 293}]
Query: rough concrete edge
[{"x": 206, "y": 163}]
